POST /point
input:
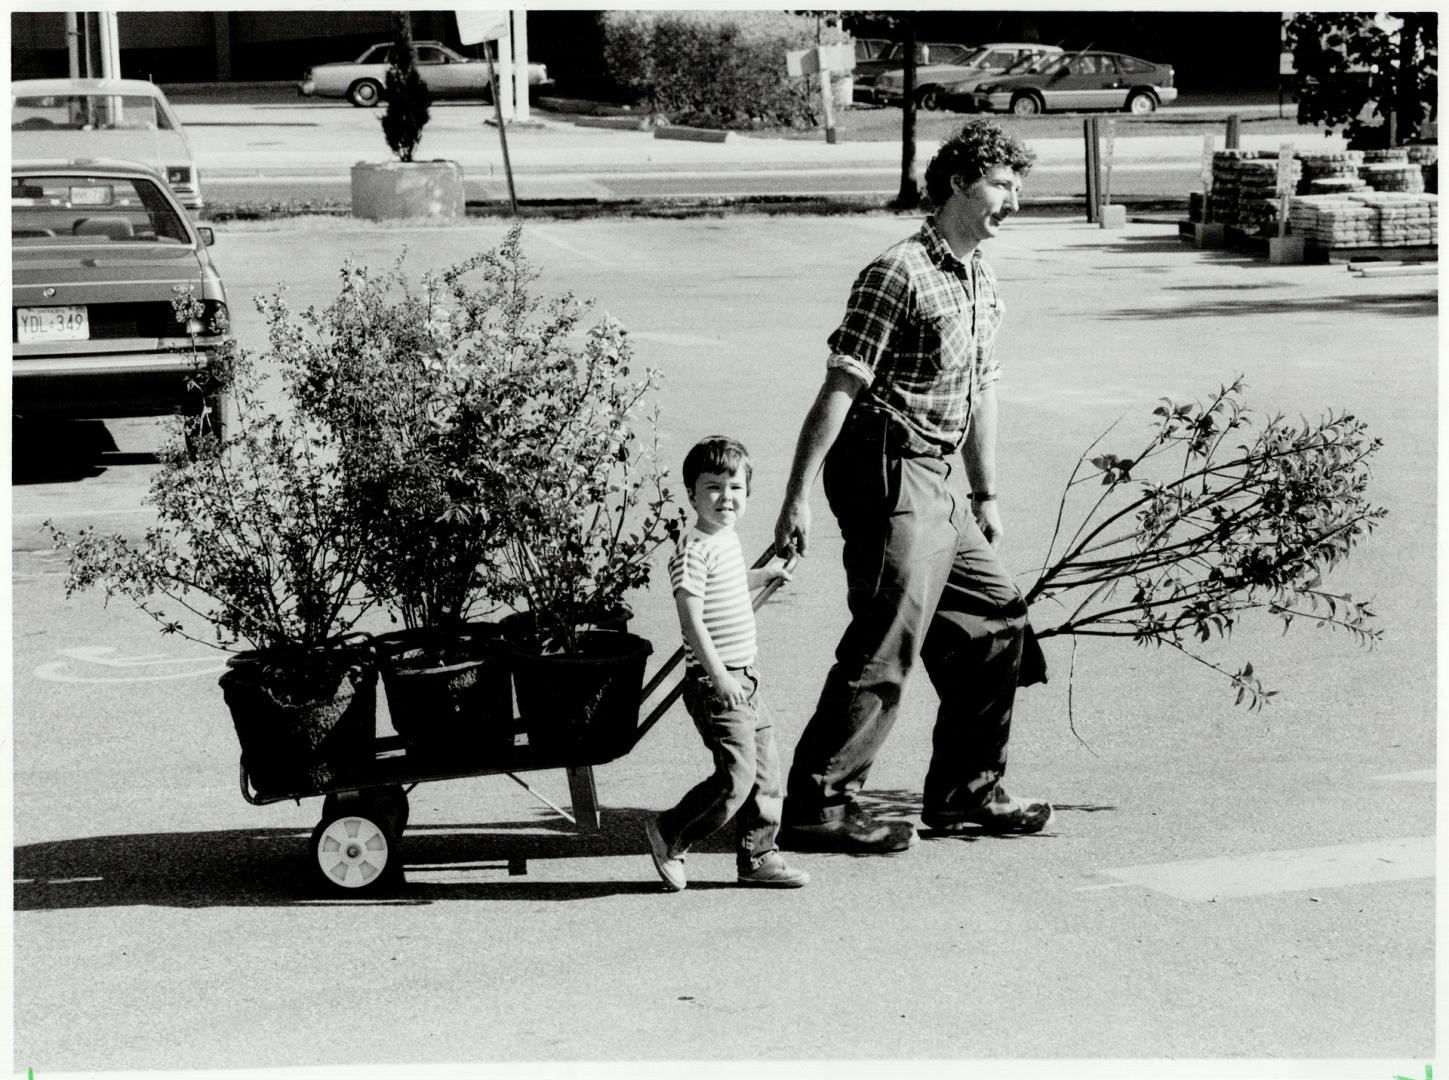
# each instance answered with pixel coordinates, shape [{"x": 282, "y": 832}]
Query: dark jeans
[
  {"x": 745, "y": 784},
  {"x": 922, "y": 580}
]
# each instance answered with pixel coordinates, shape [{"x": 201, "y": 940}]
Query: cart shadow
[
  {"x": 268, "y": 867},
  {"x": 64, "y": 451}
]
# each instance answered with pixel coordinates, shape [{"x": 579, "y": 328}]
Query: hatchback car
[
  {"x": 444, "y": 72},
  {"x": 1081, "y": 80},
  {"x": 103, "y": 118},
  {"x": 116, "y": 308},
  {"x": 934, "y": 82}
]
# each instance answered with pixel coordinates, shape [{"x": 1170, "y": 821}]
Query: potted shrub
[
  {"x": 406, "y": 381},
  {"x": 406, "y": 187},
  {"x": 572, "y": 478},
  {"x": 256, "y": 539}
]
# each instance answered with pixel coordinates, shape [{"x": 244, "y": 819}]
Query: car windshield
[
  {"x": 1026, "y": 64},
  {"x": 88, "y": 112},
  {"x": 46, "y": 210}
]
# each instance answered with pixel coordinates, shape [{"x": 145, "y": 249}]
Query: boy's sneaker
[
  {"x": 671, "y": 868},
  {"x": 853, "y": 833},
  {"x": 1001, "y": 816},
  {"x": 773, "y": 872}
]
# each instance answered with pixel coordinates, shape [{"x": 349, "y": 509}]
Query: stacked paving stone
[
  {"x": 1427, "y": 158},
  {"x": 1328, "y": 166},
  {"x": 1366, "y": 219},
  {"x": 1402, "y": 176},
  {"x": 1245, "y": 188}
]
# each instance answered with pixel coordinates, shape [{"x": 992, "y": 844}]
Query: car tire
[
  {"x": 929, "y": 98},
  {"x": 1141, "y": 102},
  {"x": 365, "y": 93},
  {"x": 1026, "y": 105}
]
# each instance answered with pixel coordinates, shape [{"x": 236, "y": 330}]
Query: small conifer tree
[{"x": 407, "y": 96}]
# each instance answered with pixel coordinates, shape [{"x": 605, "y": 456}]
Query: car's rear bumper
[
  {"x": 102, "y": 385},
  {"x": 306, "y": 88},
  {"x": 1166, "y": 94}
]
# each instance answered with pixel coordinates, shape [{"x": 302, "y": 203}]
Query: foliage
[
  {"x": 717, "y": 68},
  {"x": 1194, "y": 530},
  {"x": 254, "y": 535},
  {"x": 566, "y": 456},
  {"x": 378, "y": 371},
  {"x": 406, "y": 95},
  {"x": 1347, "y": 61}
]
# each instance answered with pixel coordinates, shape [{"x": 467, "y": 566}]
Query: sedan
[
  {"x": 935, "y": 81},
  {"x": 116, "y": 308},
  {"x": 1083, "y": 80},
  {"x": 444, "y": 72},
  {"x": 103, "y": 118},
  {"x": 894, "y": 59}
]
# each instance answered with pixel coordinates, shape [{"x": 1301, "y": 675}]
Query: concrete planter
[{"x": 412, "y": 189}]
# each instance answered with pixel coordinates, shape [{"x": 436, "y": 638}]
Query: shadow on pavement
[
  {"x": 1413, "y": 305},
  {"x": 61, "y": 451},
  {"x": 267, "y": 867}
]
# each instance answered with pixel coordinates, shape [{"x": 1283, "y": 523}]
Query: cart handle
[{"x": 759, "y": 600}]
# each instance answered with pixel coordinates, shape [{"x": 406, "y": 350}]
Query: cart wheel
[
  {"x": 355, "y": 853},
  {"x": 388, "y": 802}
]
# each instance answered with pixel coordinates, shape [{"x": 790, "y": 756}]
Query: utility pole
[
  {"x": 520, "y": 64},
  {"x": 910, "y": 193}
]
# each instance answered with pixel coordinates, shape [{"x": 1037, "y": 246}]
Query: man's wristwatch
[{"x": 983, "y": 496}]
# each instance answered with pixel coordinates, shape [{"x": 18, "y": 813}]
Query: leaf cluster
[{"x": 1218, "y": 514}]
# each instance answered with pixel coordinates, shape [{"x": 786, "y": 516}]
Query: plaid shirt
[{"x": 920, "y": 330}]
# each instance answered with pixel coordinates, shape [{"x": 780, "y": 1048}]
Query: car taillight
[
  {"x": 1168, "y": 81},
  {"x": 178, "y": 174},
  {"x": 214, "y": 319}
]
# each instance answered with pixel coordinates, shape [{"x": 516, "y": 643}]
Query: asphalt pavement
[{"x": 1223, "y": 894}]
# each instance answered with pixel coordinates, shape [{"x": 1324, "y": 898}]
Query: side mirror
[{"x": 208, "y": 237}]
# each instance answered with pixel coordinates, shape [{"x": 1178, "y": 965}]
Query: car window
[
  {"x": 1082, "y": 65},
  {"x": 1131, "y": 63},
  {"x": 429, "y": 55},
  {"x": 86, "y": 209},
  {"x": 1106, "y": 65},
  {"x": 375, "y": 55},
  {"x": 999, "y": 58},
  {"x": 87, "y": 112}
]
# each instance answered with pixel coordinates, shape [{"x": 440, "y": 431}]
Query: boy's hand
[
  {"x": 729, "y": 689},
  {"x": 767, "y": 575}
]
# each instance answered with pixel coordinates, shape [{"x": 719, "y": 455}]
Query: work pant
[
  {"x": 745, "y": 784},
  {"x": 922, "y": 580}
]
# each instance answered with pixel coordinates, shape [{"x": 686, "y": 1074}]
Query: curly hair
[
  {"x": 717, "y": 454},
  {"x": 978, "y": 147}
]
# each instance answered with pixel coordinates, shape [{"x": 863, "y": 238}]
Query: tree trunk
[
  {"x": 1406, "y": 105},
  {"x": 910, "y": 193}
]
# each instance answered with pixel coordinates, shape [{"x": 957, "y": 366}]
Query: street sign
[
  {"x": 821, "y": 58},
  {"x": 481, "y": 24}
]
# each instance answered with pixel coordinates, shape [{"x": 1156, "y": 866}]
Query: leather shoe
[
  {"x": 853, "y": 833},
  {"x": 1001, "y": 816}
]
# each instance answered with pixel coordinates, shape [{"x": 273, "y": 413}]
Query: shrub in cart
[
  {"x": 257, "y": 541},
  {"x": 578, "y": 493},
  {"x": 1217, "y": 515},
  {"x": 408, "y": 383}
]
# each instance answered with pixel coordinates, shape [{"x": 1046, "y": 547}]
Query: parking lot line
[{"x": 1267, "y": 872}]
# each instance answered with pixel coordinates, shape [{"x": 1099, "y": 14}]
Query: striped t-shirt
[{"x": 713, "y": 568}]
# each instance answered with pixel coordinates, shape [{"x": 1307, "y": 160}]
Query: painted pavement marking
[
  {"x": 1418, "y": 776},
  {"x": 1284, "y": 871},
  {"x": 545, "y": 234}
]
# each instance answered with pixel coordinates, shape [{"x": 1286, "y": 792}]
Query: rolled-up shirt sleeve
[{"x": 879, "y": 304}]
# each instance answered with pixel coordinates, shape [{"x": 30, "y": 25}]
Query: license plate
[{"x": 38, "y": 324}]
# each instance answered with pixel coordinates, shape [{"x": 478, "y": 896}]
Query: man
[{"x": 909, "y": 384}]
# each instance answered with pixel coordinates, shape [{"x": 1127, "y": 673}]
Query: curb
[{"x": 691, "y": 134}]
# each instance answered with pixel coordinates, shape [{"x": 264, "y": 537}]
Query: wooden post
[
  {"x": 1235, "y": 124},
  {"x": 1089, "y": 137}
]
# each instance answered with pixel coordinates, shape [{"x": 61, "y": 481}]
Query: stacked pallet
[
  {"x": 1245, "y": 189},
  {"x": 1328, "y": 166},
  {"x": 1401, "y": 176},
  {"x": 1404, "y": 220},
  {"x": 1335, "y": 185},
  {"x": 1333, "y": 221}
]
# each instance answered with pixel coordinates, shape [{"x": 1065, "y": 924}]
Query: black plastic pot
[
  {"x": 449, "y": 694},
  {"x": 304, "y": 719},
  {"x": 584, "y": 706}
]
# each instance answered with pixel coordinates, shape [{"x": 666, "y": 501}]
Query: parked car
[
  {"x": 894, "y": 59},
  {"x": 444, "y": 72},
  {"x": 934, "y": 81},
  {"x": 870, "y": 48},
  {"x": 103, "y": 118},
  {"x": 99, "y": 251},
  {"x": 1082, "y": 80}
]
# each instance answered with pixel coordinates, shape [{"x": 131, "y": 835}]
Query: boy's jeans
[
  {"x": 745, "y": 784},
  {"x": 922, "y": 580}
]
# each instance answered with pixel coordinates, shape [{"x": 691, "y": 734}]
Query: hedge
[{"x": 723, "y": 69}]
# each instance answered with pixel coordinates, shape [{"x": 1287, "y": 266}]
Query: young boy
[{"x": 721, "y": 688}]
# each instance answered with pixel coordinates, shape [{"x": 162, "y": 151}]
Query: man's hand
[
  {"x": 792, "y": 528},
  {"x": 988, "y": 519}
]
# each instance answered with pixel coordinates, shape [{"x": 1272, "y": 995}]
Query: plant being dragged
[{"x": 1214, "y": 517}]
